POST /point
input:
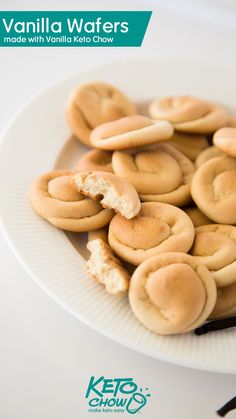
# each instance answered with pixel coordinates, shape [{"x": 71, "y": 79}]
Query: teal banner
[{"x": 73, "y": 29}]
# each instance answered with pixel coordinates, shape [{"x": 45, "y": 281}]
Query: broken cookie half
[
  {"x": 111, "y": 190},
  {"x": 106, "y": 268}
]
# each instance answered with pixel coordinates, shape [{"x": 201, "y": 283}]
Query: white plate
[{"x": 35, "y": 142}]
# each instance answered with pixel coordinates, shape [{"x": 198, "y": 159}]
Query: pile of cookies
[{"x": 157, "y": 196}]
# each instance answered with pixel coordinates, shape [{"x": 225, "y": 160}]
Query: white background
[{"x": 47, "y": 356}]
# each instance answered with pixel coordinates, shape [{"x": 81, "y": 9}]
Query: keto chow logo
[{"x": 118, "y": 395}]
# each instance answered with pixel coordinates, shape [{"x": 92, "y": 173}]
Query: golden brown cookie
[
  {"x": 231, "y": 122},
  {"x": 208, "y": 154},
  {"x": 54, "y": 198},
  {"x": 106, "y": 268},
  {"x": 214, "y": 189},
  {"x": 225, "y": 303},
  {"x": 129, "y": 132},
  {"x": 112, "y": 191},
  {"x": 189, "y": 114},
  {"x": 225, "y": 140},
  {"x": 92, "y": 104},
  {"x": 197, "y": 217},
  {"x": 172, "y": 293},
  {"x": 95, "y": 160},
  {"x": 159, "y": 228},
  {"x": 189, "y": 144},
  {"x": 215, "y": 246},
  {"x": 162, "y": 174},
  {"x": 101, "y": 233}
]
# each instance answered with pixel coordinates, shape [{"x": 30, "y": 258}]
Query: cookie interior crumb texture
[
  {"x": 98, "y": 187},
  {"x": 106, "y": 268}
]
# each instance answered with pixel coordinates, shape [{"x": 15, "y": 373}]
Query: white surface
[
  {"x": 49, "y": 258},
  {"x": 47, "y": 356}
]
